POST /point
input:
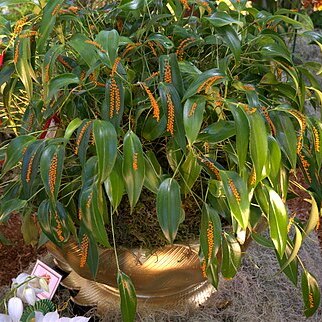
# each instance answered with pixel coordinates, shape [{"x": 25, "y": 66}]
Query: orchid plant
[{"x": 183, "y": 100}]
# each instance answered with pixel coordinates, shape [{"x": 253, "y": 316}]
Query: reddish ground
[{"x": 16, "y": 257}]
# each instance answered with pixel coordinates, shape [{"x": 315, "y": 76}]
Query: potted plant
[{"x": 180, "y": 111}]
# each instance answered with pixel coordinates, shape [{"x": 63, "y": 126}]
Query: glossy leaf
[
  {"x": 51, "y": 168},
  {"x": 242, "y": 134},
  {"x": 196, "y": 86},
  {"x": 278, "y": 221},
  {"x": 114, "y": 185},
  {"x": 106, "y": 147},
  {"x": 193, "y": 113},
  {"x": 14, "y": 152},
  {"x": 231, "y": 39},
  {"x": 220, "y": 19},
  {"x": 291, "y": 270},
  {"x": 313, "y": 219},
  {"x": 109, "y": 40},
  {"x": 295, "y": 249},
  {"x": 152, "y": 178},
  {"x": 286, "y": 137},
  {"x": 274, "y": 159},
  {"x": 210, "y": 233},
  {"x": 85, "y": 50},
  {"x": 169, "y": 208},
  {"x": 258, "y": 144},
  {"x": 128, "y": 5},
  {"x": 72, "y": 126},
  {"x": 9, "y": 206},
  {"x": 231, "y": 256},
  {"x": 218, "y": 131},
  {"x": 311, "y": 293},
  {"x": 128, "y": 297},
  {"x": 93, "y": 212},
  {"x": 237, "y": 196},
  {"x": 133, "y": 167},
  {"x": 30, "y": 165},
  {"x": 47, "y": 22},
  {"x": 60, "y": 82},
  {"x": 190, "y": 171}
]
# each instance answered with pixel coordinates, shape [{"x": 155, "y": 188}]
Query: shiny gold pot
[{"x": 167, "y": 278}]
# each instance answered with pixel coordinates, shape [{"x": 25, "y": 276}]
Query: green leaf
[
  {"x": 212, "y": 273},
  {"x": 6, "y": 73},
  {"x": 258, "y": 144},
  {"x": 14, "y": 152},
  {"x": 128, "y": 5},
  {"x": 133, "y": 167},
  {"x": 296, "y": 247},
  {"x": 51, "y": 168},
  {"x": 261, "y": 240},
  {"x": 86, "y": 51},
  {"x": 310, "y": 293},
  {"x": 193, "y": 112},
  {"x": 93, "y": 212},
  {"x": 128, "y": 297},
  {"x": 72, "y": 126},
  {"x": 114, "y": 185},
  {"x": 168, "y": 94},
  {"x": 242, "y": 134},
  {"x": 106, "y": 147},
  {"x": 231, "y": 39},
  {"x": 217, "y": 132},
  {"x": 152, "y": 178},
  {"x": 220, "y": 19},
  {"x": 196, "y": 85},
  {"x": 313, "y": 220},
  {"x": 109, "y": 40},
  {"x": 47, "y": 22},
  {"x": 9, "y": 206},
  {"x": 169, "y": 208},
  {"x": 210, "y": 227},
  {"x": 278, "y": 221},
  {"x": 30, "y": 166},
  {"x": 291, "y": 270},
  {"x": 163, "y": 40},
  {"x": 231, "y": 256},
  {"x": 237, "y": 196},
  {"x": 60, "y": 82},
  {"x": 274, "y": 159},
  {"x": 286, "y": 137},
  {"x": 190, "y": 171}
]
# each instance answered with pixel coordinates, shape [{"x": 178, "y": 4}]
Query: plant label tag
[{"x": 52, "y": 277}]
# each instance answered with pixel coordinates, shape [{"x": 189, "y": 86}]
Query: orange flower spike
[
  {"x": 81, "y": 134},
  {"x": 185, "y": 4},
  {"x": 16, "y": 55},
  {"x": 53, "y": 173},
  {"x": 56, "y": 10},
  {"x": 234, "y": 190},
  {"x": 316, "y": 136},
  {"x": 117, "y": 99},
  {"x": 210, "y": 239},
  {"x": 167, "y": 73},
  {"x": 97, "y": 45},
  {"x": 114, "y": 67},
  {"x": 170, "y": 107},
  {"x": 311, "y": 300},
  {"x": 192, "y": 109},
  {"x": 153, "y": 102},
  {"x": 63, "y": 62},
  {"x": 84, "y": 250},
  {"x": 29, "y": 168},
  {"x": 135, "y": 162},
  {"x": 204, "y": 268},
  {"x": 150, "y": 44},
  {"x": 59, "y": 228}
]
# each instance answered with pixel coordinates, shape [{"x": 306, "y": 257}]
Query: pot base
[{"x": 169, "y": 278}]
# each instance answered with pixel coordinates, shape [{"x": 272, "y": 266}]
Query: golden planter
[{"x": 167, "y": 278}]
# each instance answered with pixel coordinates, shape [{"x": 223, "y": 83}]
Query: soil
[{"x": 16, "y": 256}]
